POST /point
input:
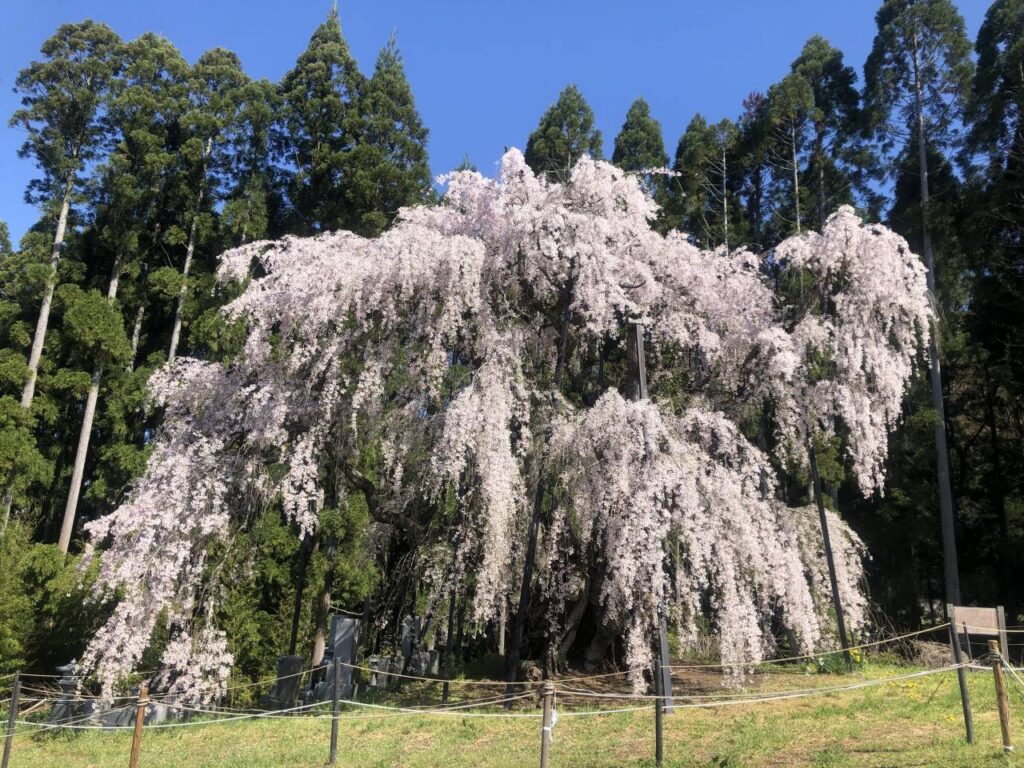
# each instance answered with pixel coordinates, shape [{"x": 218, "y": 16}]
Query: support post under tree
[
  {"x": 638, "y": 389},
  {"x": 837, "y": 602}
]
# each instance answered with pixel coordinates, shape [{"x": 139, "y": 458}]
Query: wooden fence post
[
  {"x": 335, "y": 712},
  {"x": 548, "y": 694},
  {"x": 140, "y": 716},
  {"x": 12, "y": 717},
  {"x": 965, "y": 696},
  {"x": 1001, "y": 700}
]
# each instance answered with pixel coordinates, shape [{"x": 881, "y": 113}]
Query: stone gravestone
[
  {"x": 344, "y": 642},
  {"x": 342, "y": 656},
  {"x": 122, "y": 713},
  {"x": 409, "y": 638},
  {"x": 69, "y": 705},
  {"x": 374, "y": 663},
  {"x": 285, "y": 692}
]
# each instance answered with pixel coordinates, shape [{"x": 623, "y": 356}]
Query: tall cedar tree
[
  {"x": 321, "y": 127},
  {"x": 753, "y": 150},
  {"x": 216, "y": 88},
  {"x": 837, "y": 163},
  {"x": 701, "y": 201},
  {"x": 995, "y": 315},
  {"x": 389, "y": 167},
  {"x": 252, "y": 209},
  {"x": 640, "y": 147},
  {"x": 790, "y": 105},
  {"x": 62, "y": 98},
  {"x": 145, "y": 112},
  {"x": 917, "y": 77},
  {"x": 566, "y": 132}
]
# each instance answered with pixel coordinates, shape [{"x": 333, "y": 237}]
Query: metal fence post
[
  {"x": 335, "y": 712},
  {"x": 548, "y": 693},
  {"x": 12, "y": 717},
  {"x": 659, "y": 714},
  {"x": 965, "y": 696}
]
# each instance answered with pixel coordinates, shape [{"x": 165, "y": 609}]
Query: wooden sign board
[{"x": 979, "y": 622}]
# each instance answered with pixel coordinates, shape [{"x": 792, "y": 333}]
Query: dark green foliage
[
  {"x": 20, "y": 460},
  {"x": 997, "y": 93},
  {"x": 94, "y": 327},
  {"x": 46, "y": 607},
  {"x": 566, "y": 133}
]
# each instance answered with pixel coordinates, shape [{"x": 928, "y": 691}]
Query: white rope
[
  {"x": 452, "y": 710},
  {"x": 776, "y": 697}
]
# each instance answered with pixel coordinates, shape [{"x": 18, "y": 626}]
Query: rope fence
[{"x": 564, "y": 691}]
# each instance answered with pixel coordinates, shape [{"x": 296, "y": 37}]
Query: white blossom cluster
[{"x": 441, "y": 346}]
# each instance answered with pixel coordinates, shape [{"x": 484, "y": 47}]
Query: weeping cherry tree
[{"x": 476, "y": 351}]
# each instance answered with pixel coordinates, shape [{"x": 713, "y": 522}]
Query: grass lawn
[{"x": 914, "y": 722}]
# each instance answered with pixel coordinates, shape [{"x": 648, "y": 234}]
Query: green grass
[{"x": 907, "y": 723}]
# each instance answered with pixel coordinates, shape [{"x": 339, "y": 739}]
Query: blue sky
[{"x": 483, "y": 71}]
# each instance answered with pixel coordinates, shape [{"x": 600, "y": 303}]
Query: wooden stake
[
  {"x": 548, "y": 694},
  {"x": 965, "y": 697},
  {"x": 140, "y": 716},
  {"x": 12, "y": 717},
  {"x": 1001, "y": 700}
]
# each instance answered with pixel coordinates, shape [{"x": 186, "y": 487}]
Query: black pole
[
  {"x": 335, "y": 713},
  {"x": 304, "y": 548},
  {"x": 12, "y": 717},
  {"x": 666, "y": 670},
  {"x": 965, "y": 696},
  {"x": 837, "y": 602},
  {"x": 446, "y": 672}
]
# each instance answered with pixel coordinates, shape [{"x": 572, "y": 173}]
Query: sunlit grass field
[{"x": 916, "y": 722}]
